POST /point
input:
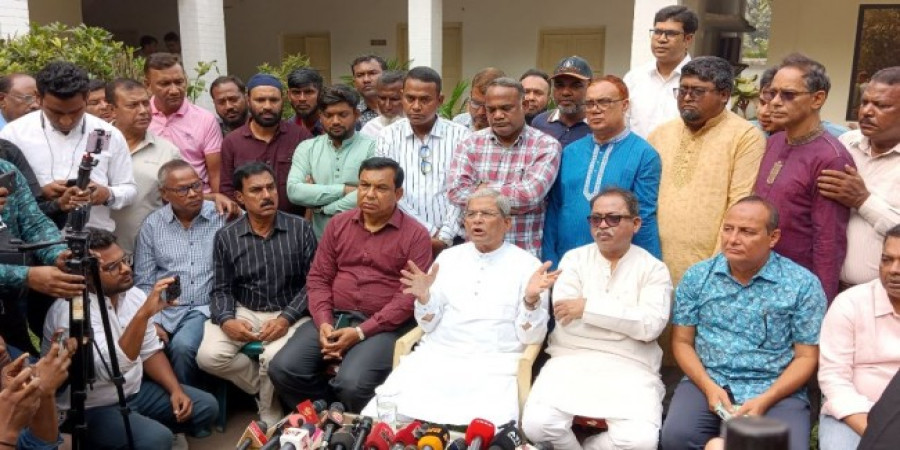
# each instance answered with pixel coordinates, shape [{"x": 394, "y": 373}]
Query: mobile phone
[
  {"x": 71, "y": 182},
  {"x": 8, "y": 181},
  {"x": 173, "y": 291}
]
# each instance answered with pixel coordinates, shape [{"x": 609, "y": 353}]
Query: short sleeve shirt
[{"x": 745, "y": 335}]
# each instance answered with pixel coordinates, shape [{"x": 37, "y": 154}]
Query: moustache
[
  {"x": 267, "y": 203},
  {"x": 601, "y": 233}
]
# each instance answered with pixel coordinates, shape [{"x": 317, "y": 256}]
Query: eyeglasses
[
  {"x": 612, "y": 220},
  {"x": 425, "y": 164},
  {"x": 476, "y": 104},
  {"x": 694, "y": 92},
  {"x": 788, "y": 96},
  {"x": 603, "y": 104},
  {"x": 484, "y": 214},
  {"x": 116, "y": 266},
  {"x": 669, "y": 34},
  {"x": 27, "y": 99},
  {"x": 182, "y": 191}
]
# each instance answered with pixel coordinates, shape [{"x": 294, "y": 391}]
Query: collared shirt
[
  {"x": 651, "y": 96},
  {"x": 832, "y": 128},
  {"x": 317, "y": 129},
  {"x": 523, "y": 172},
  {"x": 357, "y": 270},
  {"x": 104, "y": 391},
  {"x": 262, "y": 273},
  {"x": 550, "y": 122},
  {"x": 365, "y": 113},
  {"x": 703, "y": 174},
  {"x": 56, "y": 156},
  {"x": 745, "y": 335},
  {"x": 241, "y": 147},
  {"x": 193, "y": 130},
  {"x": 166, "y": 248},
  {"x": 880, "y": 212},
  {"x": 813, "y": 227},
  {"x": 24, "y": 220},
  {"x": 860, "y": 349},
  {"x": 332, "y": 169},
  {"x": 465, "y": 119},
  {"x": 373, "y": 127},
  {"x": 626, "y": 161},
  {"x": 146, "y": 159},
  {"x": 425, "y": 196}
]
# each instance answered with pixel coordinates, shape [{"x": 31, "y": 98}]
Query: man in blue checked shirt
[
  {"x": 746, "y": 333},
  {"x": 177, "y": 239}
]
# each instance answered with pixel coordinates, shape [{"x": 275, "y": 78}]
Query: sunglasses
[
  {"x": 425, "y": 164},
  {"x": 612, "y": 220},
  {"x": 788, "y": 96}
]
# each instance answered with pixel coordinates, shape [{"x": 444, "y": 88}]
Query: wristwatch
[{"x": 112, "y": 198}]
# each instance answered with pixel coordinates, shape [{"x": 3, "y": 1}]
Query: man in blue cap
[{"x": 264, "y": 138}]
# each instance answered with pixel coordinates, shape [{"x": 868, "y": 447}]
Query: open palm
[{"x": 417, "y": 282}]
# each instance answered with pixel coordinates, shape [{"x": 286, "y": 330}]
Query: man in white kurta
[
  {"x": 482, "y": 303},
  {"x": 611, "y": 302}
]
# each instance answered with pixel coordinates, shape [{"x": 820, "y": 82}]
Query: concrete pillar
[
  {"x": 426, "y": 33},
  {"x": 644, "y": 10},
  {"x": 202, "y": 25},
  {"x": 13, "y": 18}
]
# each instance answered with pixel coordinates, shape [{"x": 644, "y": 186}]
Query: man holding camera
[{"x": 159, "y": 404}]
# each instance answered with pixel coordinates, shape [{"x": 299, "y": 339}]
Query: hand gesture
[
  {"x": 339, "y": 342},
  {"x": 845, "y": 187},
  {"x": 54, "y": 189},
  {"x": 324, "y": 333},
  {"x": 239, "y": 330},
  {"x": 182, "y": 406},
  {"x": 417, "y": 282},
  {"x": 756, "y": 406},
  {"x": 154, "y": 302},
  {"x": 274, "y": 329},
  {"x": 715, "y": 396},
  {"x": 20, "y": 396},
  {"x": 53, "y": 368},
  {"x": 4, "y": 355},
  {"x": 54, "y": 282},
  {"x": 227, "y": 207},
  {"x": 568, "y": 309},
  {"x": 540, "y": 281}
]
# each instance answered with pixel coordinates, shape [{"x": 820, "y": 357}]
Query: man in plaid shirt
[{"x": 511, "y": 157}]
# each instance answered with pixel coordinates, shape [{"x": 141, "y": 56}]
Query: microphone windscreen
[
  {"x": 381, "y": 437},
  {"x": 406, "y": 435},
  {"x": 341, "y": 440},
  {"x": 507, "y": 438},
  {"x": 480, "y": 428},
  {"x": 435, "y": 438}
]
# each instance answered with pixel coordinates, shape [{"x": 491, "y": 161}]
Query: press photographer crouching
[{"x": 159, "y": 405}]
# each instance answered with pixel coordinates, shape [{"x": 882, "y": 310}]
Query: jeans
[
  {"x": 152, "y": 419},
  {"x": 836, "y": 435},
  {"x": 184, "y": 341}
]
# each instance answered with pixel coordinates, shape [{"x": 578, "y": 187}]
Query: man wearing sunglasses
[
  {"x": 816, "y": 234},
  {"x": 611, "y": 302},
  {"x": 18, "y": 96},
  {"x": 423, "y": 144},
  {"x": 650, "y": 84},
  {"x": 177, "y": 239}
]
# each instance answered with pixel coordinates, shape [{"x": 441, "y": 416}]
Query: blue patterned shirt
[
  {"x": 165, "y": 248},
  {"x": 745, "y": 335}
]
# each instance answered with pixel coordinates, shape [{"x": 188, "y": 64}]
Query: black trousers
[
  {"x": 883, "y": 430},
  {"x": 298, "y": 370}
]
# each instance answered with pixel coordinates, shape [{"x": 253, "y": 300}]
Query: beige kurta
[{"x": 703, "y": 174}]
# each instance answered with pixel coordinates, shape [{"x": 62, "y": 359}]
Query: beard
[
  {"x": 690, "y": 115},
  {"x": 266, "y": 121},
  {"x": 577, "y": 108},
  {"x": 342, "y": 136}
]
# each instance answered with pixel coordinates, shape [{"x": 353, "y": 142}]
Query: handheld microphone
[
  {"x": 507, "y": 437},
  {"x": 406, "y": 436},
  {"x": 479, "y": 433},
  {"x": 290, "y": 421},
  {"x": 363, "y": 428},
  {"x": 254, "y": 435},
  {"x": 457, "y": 444},
  {"x": 342, "y": 440},
  {"x": 435, "y": 438},
  {"x": 380, "y": 438},
  {"x": 294, "y": 439},
  {"x": 334, "y": 419}
]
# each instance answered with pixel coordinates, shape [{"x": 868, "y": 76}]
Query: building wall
[
  {"x": 826, "y": 34},
  {"x": 47, "y": 11},
  {"x": 13, "y": 18},
  {"x": 128, "y": 20},
  {"x": 253, "y": 30}
]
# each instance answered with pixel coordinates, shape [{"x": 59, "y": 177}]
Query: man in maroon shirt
[
  {"x": 356, "y": 299},
  {"x": 264, "y": 138}
]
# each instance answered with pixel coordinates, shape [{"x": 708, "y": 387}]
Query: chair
[
  {"x": 409, "y": 340},
  {"x": 252, "y": 350}
]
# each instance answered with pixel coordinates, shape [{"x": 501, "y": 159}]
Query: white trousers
[
  {"x": 544, "y": 423},
  {"x": 219, "y": 355}
]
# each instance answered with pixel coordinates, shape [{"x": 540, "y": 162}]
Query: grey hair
[
  {"x": 168, "y": 167},
  {"x": 501, "y": 200},
  {"x": 507, "y": 83},
  {"x": 813, "y": 72}
]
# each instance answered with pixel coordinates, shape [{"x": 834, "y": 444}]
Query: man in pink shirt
[
  {"x": 192, "y": 129},
  {"x": 860, "y": 350}
]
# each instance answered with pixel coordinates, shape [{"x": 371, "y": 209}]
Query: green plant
[
  {"x": 91, "y": 48},
  {"x": 288, "y": 64},
  {"x": 450, "y": 108},
  {"x": 197, "y": 85},
  {"x": 745, "y": 91}
]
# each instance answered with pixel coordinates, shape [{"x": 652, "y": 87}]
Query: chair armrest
[
  {"x": 405, "y": 343},
  {"x": 526, "y": 362}
]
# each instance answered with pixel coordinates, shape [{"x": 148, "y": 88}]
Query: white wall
[
  {"x": 824, "y": 33},
  {"x": 13, "y": 18},
  {"x": 128, "y": 20},
  {"x": 47, "y": 11},
  {"x": 502, "y": 33}
]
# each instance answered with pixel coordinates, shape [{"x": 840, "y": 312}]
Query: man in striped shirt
[
  {"x": 423, "y": 144},
  {"x": 261, "y": 261},
  {"x": 510, "y": 157}
]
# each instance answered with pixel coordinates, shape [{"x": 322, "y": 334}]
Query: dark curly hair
[{"x": 62, "y": 79}]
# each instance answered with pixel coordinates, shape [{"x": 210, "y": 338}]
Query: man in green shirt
[{"x": 324, "y": 170}]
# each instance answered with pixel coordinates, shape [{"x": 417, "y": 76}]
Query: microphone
[
  {"x": 342, "y": 440},
  {"x": 479, "y": 433},
  {"x": 334, "y": 419},
  {"x": 457, "y": 444},
  {"x": 435, "y": 438},
  {"x": 254, "y": 435},
  {"x": 507, "y": 437},
  {"x": 290, "y": 421},
  {"x": 310, "y": 410},
  {"x": 363, "y": 428},
  {"x": 406, "y": 436},
  {"x": 294, "y": 439},
  {"x": 380, "y": 438}
]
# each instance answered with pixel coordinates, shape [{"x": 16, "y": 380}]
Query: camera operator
[
  {"x": 159, "y": 404},
  {"x": 20, "y": 218}
]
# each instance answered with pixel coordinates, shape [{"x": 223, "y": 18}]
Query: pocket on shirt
[{"x": 776, "y": 330}]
